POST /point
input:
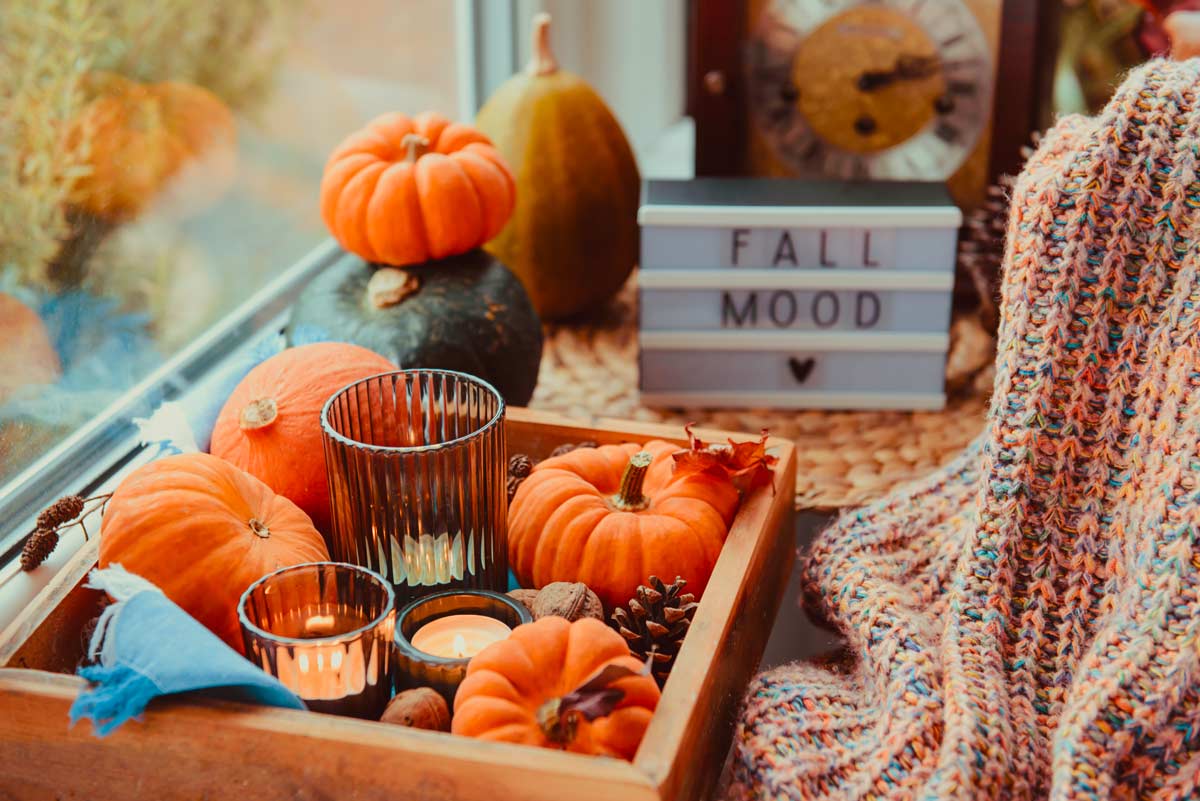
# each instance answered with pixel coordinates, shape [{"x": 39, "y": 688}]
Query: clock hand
[{"x": 907, "y": 68}]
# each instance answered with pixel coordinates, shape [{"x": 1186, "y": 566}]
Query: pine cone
[
  {"x": 981, "y": 248},
  {"x": 41, "y": 544},
  {"x": 64, "y": 510},
  {"x": 657, "y": 621},
  {"x": 519, "y": 468}
]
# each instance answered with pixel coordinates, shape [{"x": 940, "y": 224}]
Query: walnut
[
  {"x": 524, "y": 597},
  {"x": 422, "y": 708},
  {"x": 572, "y": 600}
]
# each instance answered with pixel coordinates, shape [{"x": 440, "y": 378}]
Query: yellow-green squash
[{"x": 573, "y": 238}]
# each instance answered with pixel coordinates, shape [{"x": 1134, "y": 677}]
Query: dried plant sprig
[
  {"x": 65, "y": 513},
  {"x": 231, "y": 47},
  {"x": 49, "y": 47}
]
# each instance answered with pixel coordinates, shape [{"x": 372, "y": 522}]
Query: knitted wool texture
[{"x": 1025, "y": 621}]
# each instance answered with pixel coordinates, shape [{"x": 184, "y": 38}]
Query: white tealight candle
[{"x": 459, "y": 636}]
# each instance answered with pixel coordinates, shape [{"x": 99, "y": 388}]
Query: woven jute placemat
[{"x": 589, "y": 370}]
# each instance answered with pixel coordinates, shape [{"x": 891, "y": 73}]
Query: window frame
[{"x": 490, "y": 46}]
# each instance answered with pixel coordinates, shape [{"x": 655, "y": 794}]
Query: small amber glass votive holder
[
  {"x": 416, "y": 668},
  {"x": 416, "y": 464},
  {"x": 325, "y": 630}
]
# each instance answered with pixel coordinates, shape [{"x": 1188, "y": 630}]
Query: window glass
[{"x": 160, "y": 162}]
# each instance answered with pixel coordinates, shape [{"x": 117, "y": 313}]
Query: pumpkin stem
[
  {"x": 595, "y": 698},
  {"x": 415, "y": 145},
  {"x": 630, "y": 497},
  {"x": 389, "y": 286},
  {"x": 259, "y": 528},
  {"x": 543, "y": 61},
  {"x": 258, "y": 414},
  {"x": 559, "y": 727}
]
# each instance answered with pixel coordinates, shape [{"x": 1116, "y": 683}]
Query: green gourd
[
  {"x": 573, "y": 237},
  {"x": 467, "y": 313}
]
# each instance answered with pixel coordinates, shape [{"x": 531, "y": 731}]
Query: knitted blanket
[{"x": 1025, "y": 621}]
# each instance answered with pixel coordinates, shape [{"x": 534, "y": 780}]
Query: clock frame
[{"x": 1020, "y": 35}]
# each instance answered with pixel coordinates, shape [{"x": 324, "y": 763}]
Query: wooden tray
[{"x": 211, "y": 749}]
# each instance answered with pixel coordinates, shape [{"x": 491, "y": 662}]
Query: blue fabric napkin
[{"x": 147, "y": 647}]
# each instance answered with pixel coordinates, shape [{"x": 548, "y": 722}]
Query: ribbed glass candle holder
[
  {"x": 325, "y": 631},
  {"x": 416, "y": 467}
]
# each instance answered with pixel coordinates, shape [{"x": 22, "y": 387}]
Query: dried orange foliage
[{"x": 747, "y": 465}]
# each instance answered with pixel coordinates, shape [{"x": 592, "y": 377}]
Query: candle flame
[{"x": 460, "y": 646}]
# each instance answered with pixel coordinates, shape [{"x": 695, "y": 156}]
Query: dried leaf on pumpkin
[{"x": 747, "y": 465}]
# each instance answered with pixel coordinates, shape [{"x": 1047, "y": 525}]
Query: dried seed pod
[
  {"x": 64, "y": 510},
  {"x": 422, "y": 708},
  {"x": 572, "y": 600},
  {"x": 38, "y": 547}
]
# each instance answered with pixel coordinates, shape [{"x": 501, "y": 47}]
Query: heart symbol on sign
[{"x": 801, "y": 370}]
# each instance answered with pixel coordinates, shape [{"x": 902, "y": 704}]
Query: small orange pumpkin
[
  {"x": 203, "y": 531},
  {"x": 141, "y": 137},
  {"x": 612, "y": 516},
  {"x": 271, "y": 425},
  {"x": 406, "y": 190},
  {"x": 515, "y": 689},
  {"x": 26, "y": 352}
]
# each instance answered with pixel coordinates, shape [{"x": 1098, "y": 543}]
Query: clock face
[{"x": 857, "y": 89}]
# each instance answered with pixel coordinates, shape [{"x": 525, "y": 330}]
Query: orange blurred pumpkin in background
[
  {"x": 27, "y": 357},
  {"x": 406, "y": 190},
  {"x": 142, "y": 139}
]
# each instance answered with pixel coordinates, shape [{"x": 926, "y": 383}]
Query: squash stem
[
  {"x": 258, "y": 414},
  {"x": 543, "y": 61},
  {"x": 388, "y": 286},
  {"x": 415, "y": 146},
  {"x": 630, "y": 497}
]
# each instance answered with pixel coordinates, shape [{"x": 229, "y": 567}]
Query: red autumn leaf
[{"x": 746, "y": 465}]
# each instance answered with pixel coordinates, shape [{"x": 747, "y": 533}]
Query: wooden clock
[{"x": 855, "y": 90}]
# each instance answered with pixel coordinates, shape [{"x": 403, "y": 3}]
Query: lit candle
[
  {"x": 459, "y": 636},
  {"x": 333, "y": 652}
]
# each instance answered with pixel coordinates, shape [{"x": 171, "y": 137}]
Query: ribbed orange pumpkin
[
  {"x": 613, "y": 516},
  {"x": 406, "y": 190},
  {"x": 202, "y": 531},
  {"x": 511, "y": 685},
  {"x": 271, "y": 425},
  {"x": 28, "y": 356},
  {"x": 142, "y": 136}
]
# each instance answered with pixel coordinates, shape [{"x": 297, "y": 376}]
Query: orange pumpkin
[
  {"x": 514, "y": 690},
  {"x": 271, "y": 425},
  {"x": 613, "y": 516},
  {"x": 141, "y": 137},
  {"x": 406, "y": 190},
  {"x": 202, "y": 531},
  {"x": 28, "y": 356}
]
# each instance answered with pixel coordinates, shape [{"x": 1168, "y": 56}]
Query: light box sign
[{"x": 765, "y": 292}]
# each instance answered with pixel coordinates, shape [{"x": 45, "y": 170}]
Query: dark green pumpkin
[{"x": 467, "y": 313}]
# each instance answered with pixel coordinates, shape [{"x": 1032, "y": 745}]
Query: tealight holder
[
  {"x": 416, "y": 468},
  {"x": 433, "y": 620},
  {"x": 325, "y": 630}
]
